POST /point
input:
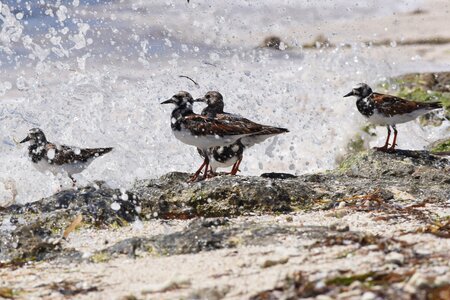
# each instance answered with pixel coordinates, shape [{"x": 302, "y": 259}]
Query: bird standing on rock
[
  {"x": 226, "y": 156},
  {"x": 388, "y": 110},
  {"x": 204, "y": 132}
]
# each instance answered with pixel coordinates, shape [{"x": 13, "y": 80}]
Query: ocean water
[{"x": 92, "y": 74}]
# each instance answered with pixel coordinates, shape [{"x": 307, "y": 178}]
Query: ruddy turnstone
[
  {"x": 387, "y": 110},
  {"x": 47, "y": 156},
  {"x": 204, "y": 132},
  {"x": 226, "y": 156}
]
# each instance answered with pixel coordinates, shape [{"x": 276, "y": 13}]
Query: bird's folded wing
[
  {"x": 260, "y": 128},
  {"x": 221, "y": 126},
  {"x": 391, "y": 105},
  {"x": 66, "y": 154}
]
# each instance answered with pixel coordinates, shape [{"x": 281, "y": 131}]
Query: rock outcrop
[{"x": 34, "y": 231}]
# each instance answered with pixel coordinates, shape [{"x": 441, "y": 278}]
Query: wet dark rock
[
  {"x": 277, "y": 175},
  {"x": 69, "y": 288},
  {"x": 207, "y": 235},
  {"x": 96, "y": 205},
  {"x": 33, "y": 242},
  {"x": 319, "y": 41},
  {"x": 375, "y": 164},
  {"x": 171, "y": 197},
  {"x": 34, "y": 228},
  {"x": 274, "y": 42},
  {"x": 30, "y": 242}
]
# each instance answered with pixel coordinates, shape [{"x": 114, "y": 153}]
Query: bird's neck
[
  {"x": 178, "y": 114},
  {"x": 211, "y": 112},
  {"x": 37, "y": 150},
  {"x": 365, "y": 105},
  {"x": 182, "y": 111}
]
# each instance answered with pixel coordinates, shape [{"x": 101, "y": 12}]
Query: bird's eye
[{"x": 208, "y": 96}]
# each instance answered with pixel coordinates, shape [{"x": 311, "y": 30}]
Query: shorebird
[
  {"x": 388, "y": 110},
  {"x": 226, "y": 156},
  {"x": 205, "y": 132},
  {"x": 59, "y": 159}
]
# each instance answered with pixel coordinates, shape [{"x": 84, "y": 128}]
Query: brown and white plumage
[
  {"x": 204, "y": 132},
  {"x": 225, "y": 156},
  {"x": 388, "y": 110},
  {"x": 47, "y": 156},
  {"x": 397, "y": 110}
]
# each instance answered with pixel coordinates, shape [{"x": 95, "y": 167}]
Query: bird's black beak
[
  {"x": 25, "y": 140},
  {"x": 200, "y": 100},
  {"x": 350, "y": 94},
  {"x": 170, "y": 101}
]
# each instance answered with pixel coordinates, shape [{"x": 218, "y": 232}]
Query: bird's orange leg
[
  {"x": 386, "y": 144},
  {"x": 205, "y": 175},
  {"x": 235, "y": 168},
  {"x": 197, "y": 173},
  {"x": 394, "y": 142}
]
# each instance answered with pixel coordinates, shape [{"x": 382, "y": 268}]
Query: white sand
[{"x": 238, "y": 271}]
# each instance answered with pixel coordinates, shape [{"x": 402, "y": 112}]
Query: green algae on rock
[
  {"x": 440, "y": 147},
  {"x": 423, "y": 87}
]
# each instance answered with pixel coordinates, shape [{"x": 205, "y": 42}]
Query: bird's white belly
[
  {"x": 205, "y": 141},
  {"x": 69, "y": 169},
  {"x": 380, "y": 119}
]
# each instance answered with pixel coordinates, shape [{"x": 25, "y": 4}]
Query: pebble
[
  {"x": 172, "y": 284},
  {"x": 395, "y": 258},
  {"x": 418, "y": 281},
  {"x": 443, "y": 279},
  {"x": 272, "y": 261},
  {"x": 373, "y": 247},
  {"x": 356, "y": 294},
  {"x": 340, "y": 227}
]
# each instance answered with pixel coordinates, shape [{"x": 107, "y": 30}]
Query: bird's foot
[
  {"x": 197, "y": 177},
  {"x": 386, "y": 149},
  {"x": 193, "y": 179},
  {"x": 391, "y": 149},
  {"x": 210, "y": 175},
  {"x": 382, "y": 149}
]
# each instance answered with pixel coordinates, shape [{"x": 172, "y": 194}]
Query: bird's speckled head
[
  {"x": 213, "y": 99},
  {"x": 35, "y": 136},
  {"x": 181, "y": 99},
  {"x": 360, "y": 91}
]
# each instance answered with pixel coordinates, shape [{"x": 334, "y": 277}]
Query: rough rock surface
[
  {"x": 219, "y": 233},
  {"x": 33, "y": 231}
]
